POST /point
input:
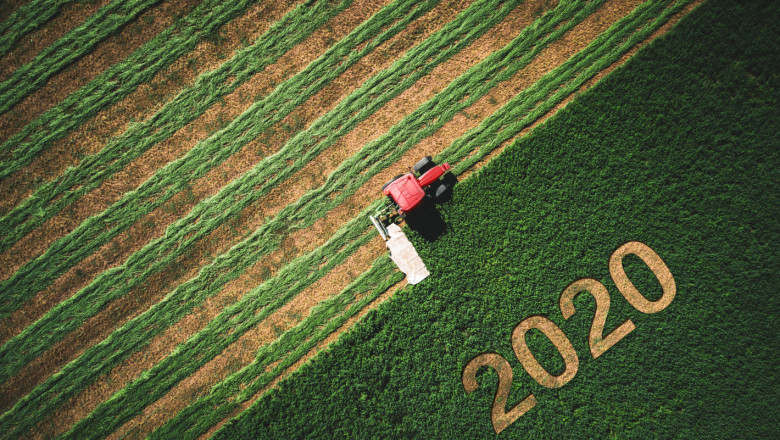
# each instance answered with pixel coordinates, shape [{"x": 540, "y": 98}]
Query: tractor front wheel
[{"x": 425, "y": 164}]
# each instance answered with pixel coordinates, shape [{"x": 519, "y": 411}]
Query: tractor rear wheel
[
  {"x": 425, "y": 164},
  {"x": 440, "y": 191}
]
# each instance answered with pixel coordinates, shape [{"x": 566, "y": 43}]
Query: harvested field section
[
  {"x": 137, "y": 236},
  {"x": 220, "y": 241},
  {"x": 68, "y": 17},
  {"x": 153, "y": 224},
  {"x": 106, "y": 53},
  {"x": 141, "y": 104},
  {"x": 213, "y": 235}
]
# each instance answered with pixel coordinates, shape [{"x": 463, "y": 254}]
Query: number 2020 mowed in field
[{"x": 598, "y": 343}]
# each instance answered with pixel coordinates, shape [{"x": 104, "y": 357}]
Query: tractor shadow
[{"x": 427, "y": 220}]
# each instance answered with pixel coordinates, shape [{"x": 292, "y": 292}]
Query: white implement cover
[{"x": 404, "y": 255}]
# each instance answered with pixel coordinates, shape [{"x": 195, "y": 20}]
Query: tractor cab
[{"x": 407, "y": 191}]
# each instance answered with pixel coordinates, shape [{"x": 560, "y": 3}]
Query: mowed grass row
[
  {"x": 189, "y": 104},
  {"x": 26, "y": 19},
  {"x": 206, "y": 216},
  {"x": 232, "y": 264},
  {"x": 70, "y": 47},
  {"x": 238, "y": 381}
]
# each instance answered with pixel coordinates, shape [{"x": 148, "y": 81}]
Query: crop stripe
[
  {"x": 37, "y": 274},
  {"x": 68, "y": 48}
]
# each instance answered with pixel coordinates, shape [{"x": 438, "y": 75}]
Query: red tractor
[{"x": 407, "y": 192}]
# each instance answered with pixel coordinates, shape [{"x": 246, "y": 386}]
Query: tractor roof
[{"x": 406, "y": 192}]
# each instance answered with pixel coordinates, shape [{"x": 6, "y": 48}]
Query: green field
[
  {"x": 184, "y": 231},
  {"x": 678, "y": 150}
]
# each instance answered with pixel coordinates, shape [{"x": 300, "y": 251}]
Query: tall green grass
[
  {"x": 676, "y": 149},
  {"x": 26, "y": 19},
  {"x": 67, "y": 49}
]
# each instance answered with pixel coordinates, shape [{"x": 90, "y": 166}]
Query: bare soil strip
[
  {"x": 107, "y": 52},
  {"x": 142, "y": 103},
  {"x": 69, "y": 16},
  {"x": 476, "y": 115},
  {"x": 154, "y": 224}
]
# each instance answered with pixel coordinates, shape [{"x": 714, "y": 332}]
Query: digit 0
[
  {"x": 656, "y": 265},
  {"x": 561, "y": 342}
]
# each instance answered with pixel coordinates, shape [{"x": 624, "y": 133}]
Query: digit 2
[{"x": 500, "y": 417}]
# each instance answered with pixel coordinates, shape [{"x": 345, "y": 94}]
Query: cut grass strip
[
  {"x": 26, "y": 19},
  {"x": 325, "y": 318},
  {"x": 202, "y": 158},
  {"x": 231, "y": 200},
  {"x": 69, "y": 48}
]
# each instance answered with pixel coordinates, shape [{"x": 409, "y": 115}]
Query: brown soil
[
  {"x": 109, "y": 51},
  {"x": 70, "y": 16},
  {"x": 145, "y": 101}
]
